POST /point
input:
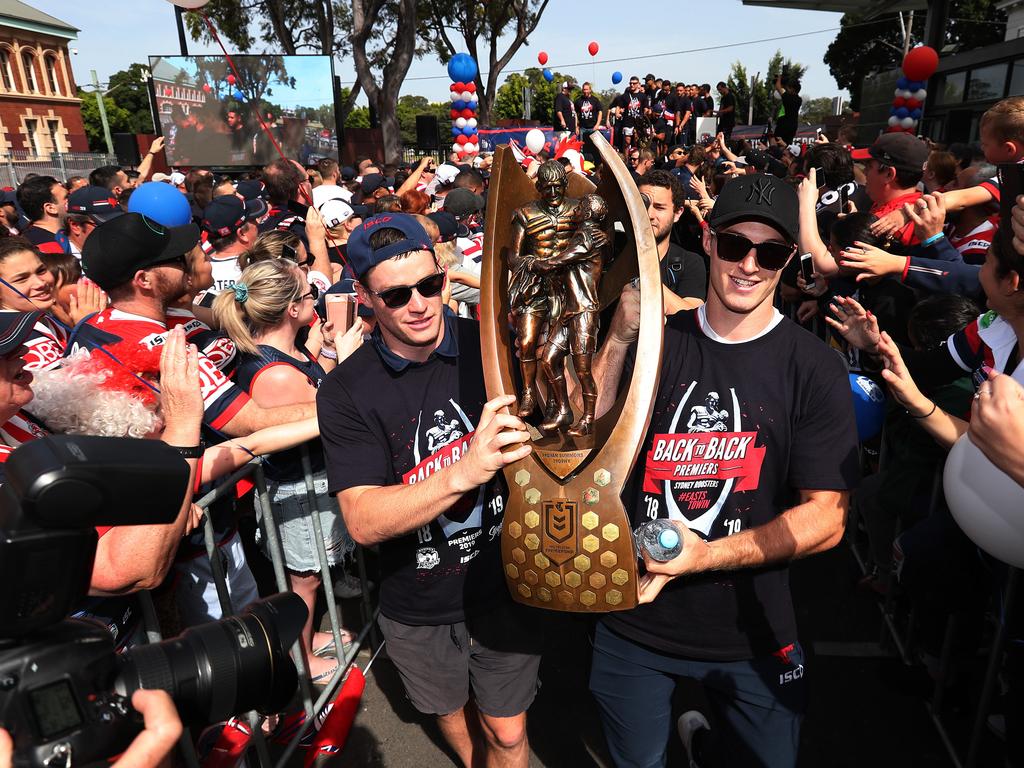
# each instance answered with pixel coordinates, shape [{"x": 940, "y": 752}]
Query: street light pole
[{"x": 103, "y": 112}]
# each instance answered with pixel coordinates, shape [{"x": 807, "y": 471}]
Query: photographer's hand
[
  {"x": 6, "y": 749},
  {"x": 153, "y": 746}
]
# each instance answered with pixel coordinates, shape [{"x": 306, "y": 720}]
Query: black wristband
[{"x": 189, "y": 452}]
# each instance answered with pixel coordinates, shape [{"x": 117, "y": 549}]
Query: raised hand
[
  {"x": 496, "y": 431},
  {"x": 901, "y": 384},
  {"x": 870, "y": 261},
  {"x": 855, "y": 324}
]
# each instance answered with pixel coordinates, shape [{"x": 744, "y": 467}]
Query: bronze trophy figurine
[{"x": 556, "y": 252}]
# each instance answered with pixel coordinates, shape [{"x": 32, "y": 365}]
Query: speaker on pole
[
  {"x": 126, "y": 147},
  {"x": 426, "y": 132}
]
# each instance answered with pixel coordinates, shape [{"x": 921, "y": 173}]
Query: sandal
[
  {"x": 325, "y": 677},
  {"x": 329, "y": 647}
]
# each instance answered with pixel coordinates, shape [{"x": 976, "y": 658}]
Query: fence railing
[
  {"x": 16, "y": 164},
  {"x": 257, "y": 751}
]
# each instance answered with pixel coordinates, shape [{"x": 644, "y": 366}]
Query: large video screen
[{"x": 210, "y": 117}]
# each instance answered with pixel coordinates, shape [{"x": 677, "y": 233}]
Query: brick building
[
  {"x": 39, "y": 110},
  {"x": 174, "y": 87}
]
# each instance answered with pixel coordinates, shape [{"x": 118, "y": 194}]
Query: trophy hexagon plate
[{"x": 566, "y": 542}]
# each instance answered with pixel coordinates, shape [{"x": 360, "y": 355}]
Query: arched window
[
  {"x": 52, "y": 75},
  {"x": 28, "y": 62},
  {"x": 6, "y": 73}
]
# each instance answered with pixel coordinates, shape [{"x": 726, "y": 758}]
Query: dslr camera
[{"x": 65, "y": 695}]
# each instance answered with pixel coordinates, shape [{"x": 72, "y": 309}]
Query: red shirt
[{"x": 906, "y": 235}]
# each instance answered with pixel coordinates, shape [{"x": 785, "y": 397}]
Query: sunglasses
[
  {"x": 314, "y": 294},
  {"x": 770, "y": 255},
  {"x": 398, "y": 297},
  {"x": 181, "y": 261}
]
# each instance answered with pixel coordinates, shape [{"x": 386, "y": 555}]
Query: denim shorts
[{"x": 289, "y": 503}]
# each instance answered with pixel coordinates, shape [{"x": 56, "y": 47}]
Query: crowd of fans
[{"x": 216, "y": 338}]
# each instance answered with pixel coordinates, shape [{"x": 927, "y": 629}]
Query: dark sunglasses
[
  {"x": 291, "y": 253},
  {"x": 770, "y": 255},
  {"x": 314, "y": 294},
  {"x": 181, "y": 261},
  {"x": 398, "y": 297}
]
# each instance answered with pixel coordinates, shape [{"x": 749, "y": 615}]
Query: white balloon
[
  {"x": 472, "y": 148},
  {"x": 471, "y": 122},
  {"x": 535, "y": 140},
  {"x": 898, "y": 92},
  {"x": 985, "y": 502},
  {"x": 921, "y": 95},
  {"x": 908, "y": 122},
  {"x": 894, "y": 121},
  {"x": 190, "y": 5},
  {"x": 460, "y": 122},
  {"x": 907, "y": 94},
  {"x": 457, "y": 147},
  {"x": 467, "y": 96},
  {"x": 456, "y": 96}
]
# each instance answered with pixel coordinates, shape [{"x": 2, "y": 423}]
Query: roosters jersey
[
  {"x": 221, "y": 398},
  {"x": 46, "y": 344},
  {"x": 975, "y": 244},
  {"x": 216, "y": 345},
  {"x": 990, "y": 341}
]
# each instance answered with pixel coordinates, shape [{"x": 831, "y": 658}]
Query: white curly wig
[{"x": 87, "y": 396}]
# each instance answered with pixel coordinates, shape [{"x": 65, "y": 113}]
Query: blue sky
[{"x": 128, "y": 31}]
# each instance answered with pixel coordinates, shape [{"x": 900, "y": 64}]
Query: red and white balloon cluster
[
  {"x": 462, "y": 70},
  {"x": 911, "y": 89}
]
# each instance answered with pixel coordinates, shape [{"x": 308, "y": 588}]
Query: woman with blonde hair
[{"x": 263, "y": 313}]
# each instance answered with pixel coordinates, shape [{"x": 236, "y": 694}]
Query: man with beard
[
  {"x": 44, "y": 201},
  {"x": 414, "y": 453}
]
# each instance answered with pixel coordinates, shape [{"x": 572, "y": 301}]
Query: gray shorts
[{"x": 496, "y": 653}]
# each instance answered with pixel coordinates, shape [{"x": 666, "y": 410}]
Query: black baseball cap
[
  {"x": 8, "y": 197},
  {"x": 462, "y": 202},
  {"x": 758, "y": 198},
  {"x": 447, "y": 226},
  {"x": 14, "y": 329},
  {"x": 758, "y": 159},
  {"x": 372, "y": 182},
  {"x": 362, "y": 257},
  {"x": 348, "y": 173},
  {"x": 899, "y": 150},
  {"x": 117, "y": 249},
  {"x": 96, "y": 202},
  {"x": 226, "y": 214},
  {"x": 252, "y": 189}
]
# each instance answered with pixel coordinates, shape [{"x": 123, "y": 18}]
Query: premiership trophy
[{"x": 557, "y": 251}]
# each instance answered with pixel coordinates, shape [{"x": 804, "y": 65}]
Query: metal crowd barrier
[
  {"x": 314, "y": 706},
  {"x": 905, "y": 641}
]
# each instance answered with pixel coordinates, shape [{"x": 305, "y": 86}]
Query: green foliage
[
  {"x": 411, "y": 106},
  {"x": 766, "y": 107},
  {"x": 118, "y": 118},
  {"x": 739, "y": 83},
  {"x": 131, "y": 92},
  {"x": 816, "y": 110},
  {"x": 866, "y": 47},
  {"x": 508, "y": 103}
]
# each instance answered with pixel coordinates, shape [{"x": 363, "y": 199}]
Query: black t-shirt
[
  {"x": 661, "y": 97},
  {"x": 742, "y": 426},
  {"x": 727, "y": 119},
  {"x": 634, "y": 105},
  {"x": 786, "y": 127},
  {"x": 385, "y": 421},
  {"x": 564, "y": 105},
  {"x": 588, "y": 108},
  {"x": 683, "y": 104},
  {"x": 685, "y": 273}
]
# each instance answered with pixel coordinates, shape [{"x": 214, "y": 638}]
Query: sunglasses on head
[
  {"x": 734, "y": 247},
  {"x": 399, "y": 296}
]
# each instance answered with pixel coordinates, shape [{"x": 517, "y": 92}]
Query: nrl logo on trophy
[{"x": 558, "y": 251}]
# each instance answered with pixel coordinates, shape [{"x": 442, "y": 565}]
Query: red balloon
[
  {"x": 167, "y": 91},
  {"x": 593, "y": 48},
  {"x": 461, "y": 138},
  {"x": 454, "y": 87},
  {"x": 920, "y": 63},
  {"x": 460, "y": 87},
  {"x": 913, "y": 104},
  {"x": 206, "y": 88},
  {"x": 899, "y": 101},
  {"x": 542, "y": 58},
  {"x": 471, "y": 87},
  {"x": 231, "y": 79},
  {"x": 467, "y": 113},
  {"x": 463, "y": 155},
  {"x": 455, "y": 113}
]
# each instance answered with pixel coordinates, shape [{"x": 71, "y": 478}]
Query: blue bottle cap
[{"x": 669, "y": 538}]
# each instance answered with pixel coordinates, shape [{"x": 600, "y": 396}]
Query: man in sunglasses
[
  {"x": 414, "y": 454},
  {"x": 751, "y": 454}
]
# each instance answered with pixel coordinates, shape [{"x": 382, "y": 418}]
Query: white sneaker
[
  {"x": 347, "y": 586},
  {"x": 688, "y": 724}
]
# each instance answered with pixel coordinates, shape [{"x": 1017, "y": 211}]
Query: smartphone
[
  {"x": 1011, "y": 185},
  {"x": 341, "y": 310},
  {"x": 819, "y": 177},
  {"x": 807, "y": 270},
  {"x": 844, "y": 198}
]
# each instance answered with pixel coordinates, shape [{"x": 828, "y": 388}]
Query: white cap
[
  {"x": 326, "y": 192},
  {"x": 446, "y": 173},
  {"x": 160, "y": 177},
  {"x": 177, "y": 178},
  {"x": 566, "y": 85},
  {"x": 335, "y": 212},
  {"x": 794, "y": 150}
]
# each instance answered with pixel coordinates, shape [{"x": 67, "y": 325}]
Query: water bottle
[{"x": 659, "y": 538}]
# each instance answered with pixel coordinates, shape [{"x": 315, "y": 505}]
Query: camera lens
[{"x": 218, "y": 670}]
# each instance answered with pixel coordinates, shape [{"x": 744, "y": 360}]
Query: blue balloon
[
  {"x": 868, "y": 406},
  {"x": 162, "y": 203},
  {"x": 902, "y": 112},
  {"x": 459, "y": 105},
  {"x": 916, "y": 85},
  {"x": 902, "y": 83},
  {"x": 456, "y": 131},
  {"x": 461, "y": 68},
  {"x": 616, "y": 77},
  {"x": 548, "y": 76},
  {"x": 467, "y": 131},
  {"x": 238, "y": 95},
  {"x": 916, "y": 114}
]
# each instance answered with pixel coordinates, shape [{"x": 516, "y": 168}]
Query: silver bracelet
[{"x": 332, "y": 355}]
